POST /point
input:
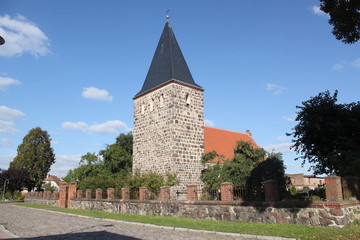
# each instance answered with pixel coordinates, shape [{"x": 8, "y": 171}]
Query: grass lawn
[{"x": 279, "y": 230}]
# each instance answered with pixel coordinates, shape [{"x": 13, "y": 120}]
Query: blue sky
[{"x": 73, "y": 67}]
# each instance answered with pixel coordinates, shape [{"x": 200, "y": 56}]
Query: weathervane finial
[{"x": 167, "y": 15}]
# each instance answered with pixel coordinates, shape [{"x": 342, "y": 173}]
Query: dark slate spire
[{"x": 168, "y": 64}]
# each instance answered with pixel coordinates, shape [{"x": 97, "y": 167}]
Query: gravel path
[{"x": 28, "y": 223}]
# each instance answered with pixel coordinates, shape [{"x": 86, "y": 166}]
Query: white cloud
[
  {"x": 338, "y": 67},
  {"x": 6, "y": 81},
  {"x": 209, "y": 123},
  {"x": 63, "y": 163},
  {"x": 6, "y": 143},
  {"x": 289, "y": 118},
  {"x": 275, "y": 89},
  {"x": 54, "y": 142},
  {"x": 317, "y": 11},
  {"x": 113, "y": 126},
  {"x": 22, "y": 36},
  {"x": 10, "y": 114},
  {"x": 282, "y": 147},
  {"x": 356, "y": 63},
  {"x": 4, "y": 161},
  {"x": 7, "y": 127},
  {"x": 97, "y": 94},
  {"x": 68, "y": 160},
  {"x": 282, "y": 138}
]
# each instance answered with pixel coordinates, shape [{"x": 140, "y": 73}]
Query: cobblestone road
[{"x": 37, "y": 224}]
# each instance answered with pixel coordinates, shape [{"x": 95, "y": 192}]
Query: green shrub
[{"x": 293, "y": 191}]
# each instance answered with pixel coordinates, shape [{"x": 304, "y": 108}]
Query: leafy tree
[
  {"x": 48, "y": 188},
  {"x": 328, "y": 135},
  {"x": 236, "y": 170},
  {"x": 244, "y": 150},
  {"x": 344, "y": 17},
  {"x": 90, "y": 166},
  {"x": 152, "y": 180},
  {"x": 118, "y": 156},
  {"x": 18, "y": 178},
  {"x": 272, "y": 168},
  {"x": 36, "y": 155}
]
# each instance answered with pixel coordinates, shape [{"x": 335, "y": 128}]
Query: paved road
[{"x": 28, "y": 223}]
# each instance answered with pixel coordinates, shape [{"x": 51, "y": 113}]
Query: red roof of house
[
  {"x": 53, "y": 178},
  {"x": 224, "y": 141}
]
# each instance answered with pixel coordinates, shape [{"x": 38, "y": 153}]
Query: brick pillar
[
  {"x": 351, "y": 188},
  {"x": 164, "y": 193},
  {"x": 98, "y": 194},
  {"x": 271, "y": 190},
  {"x": 333, "y": 189},
  {"x": 110, "y": 193},
  {"x": 62, "y": 195},
  {"x": 79, "y": 194},
  {"x": 55, "y": 195},
  {"x": 191, "y": 192},
  {"x": 88, "y": 194},
  {"x": 71, "y": 192},
  {"x": 125, "y": 193},
  {"x": 227, "y": 191},
  {"x": 143, "y": 193}
]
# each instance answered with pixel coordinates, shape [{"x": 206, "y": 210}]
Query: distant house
[
  {"x": 300, "y": 180},
  {"x": 223, "y": 142},
  {"x": 54, "y": 181}
]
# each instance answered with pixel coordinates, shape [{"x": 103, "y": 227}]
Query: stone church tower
[{"x": 169, "y": 116}]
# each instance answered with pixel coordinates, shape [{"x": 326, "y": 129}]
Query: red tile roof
[
  {"x": 53, "y": 178},
  {"x": 223, "y": 141}
]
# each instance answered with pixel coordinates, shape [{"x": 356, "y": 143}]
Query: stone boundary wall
[
  {"x": 112, "y": 206},
  {"x": 40, "y": 201},
  {"x": 326, "y": 214}
]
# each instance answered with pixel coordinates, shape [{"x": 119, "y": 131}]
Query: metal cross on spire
[{"x": 167, "y": 15}]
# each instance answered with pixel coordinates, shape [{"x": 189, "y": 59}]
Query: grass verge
[{"x": 279, "y": 230}]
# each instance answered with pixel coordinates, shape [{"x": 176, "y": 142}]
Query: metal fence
[
  {"x": 241, "y": 193},
  {"x": 211, "y": 194}
]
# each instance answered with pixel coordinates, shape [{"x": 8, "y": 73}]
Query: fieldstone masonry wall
[
  {"x": 168, "y": 133},
  {"x": 315, "y": 214},
  {"x": 322, "y": 213}
]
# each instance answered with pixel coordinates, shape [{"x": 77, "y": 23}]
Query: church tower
[{"x": 169, "y": 116}]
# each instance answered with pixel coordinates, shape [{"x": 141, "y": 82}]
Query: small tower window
[
  {"x": 151, "y": 105},
  {"x": 188, "y": 99},
  {"x": 142, "y": 108},
  {"x": 162, "y": 100}
]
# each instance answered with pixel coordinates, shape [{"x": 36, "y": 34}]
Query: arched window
[
  {"x": 142, "y": 108},
  {"x": 188, "y": 99},
  {"x": 151, "y": 105},
  {"x": 162, "y": 100}
]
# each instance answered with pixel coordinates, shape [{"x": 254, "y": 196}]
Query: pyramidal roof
[{"x": 168, "y": 64}]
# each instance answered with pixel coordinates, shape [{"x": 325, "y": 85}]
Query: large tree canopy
[
  {"x": 237, "y": 170},
  {"x": 16, "y": 179},
  {"x": 35, "y": 154},
  {"x": 118, "y": 156},
  {"x": 344, "y": 17},
  {"x": 328, "y": 135}
]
